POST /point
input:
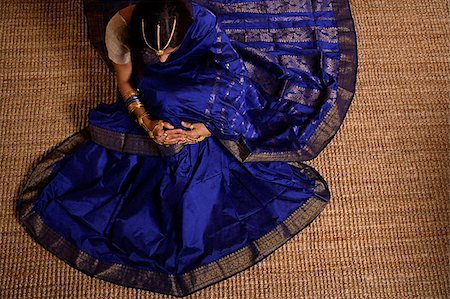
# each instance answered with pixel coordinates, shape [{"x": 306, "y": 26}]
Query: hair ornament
[{"x": 159, "y": 52}]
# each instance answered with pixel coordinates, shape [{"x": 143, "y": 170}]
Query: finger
[
  {"x": 175, "y": 140},
  {"x": 192, "y": 134},
  {"x": 158, "y": 130},
  {"x": 187, "y": 124},
  {"x": 162, "y": 142},
  {"x": 171, "y": 136},
  {"x": 174, "y": 137},
  {"x": 176, "y": 131},
  {"x": 160, "y": 135},
  {"x": 167, "y": 125}
]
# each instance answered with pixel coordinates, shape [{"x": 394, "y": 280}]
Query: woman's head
[{"x": 158, "y": 23}]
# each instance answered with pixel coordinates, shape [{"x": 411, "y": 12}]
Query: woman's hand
[
  {"x": 196, "y": 132},
  {"x": 163, "y": 132}
]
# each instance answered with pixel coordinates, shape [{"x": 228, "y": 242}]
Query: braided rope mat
[{"x": 384, "y": 233}]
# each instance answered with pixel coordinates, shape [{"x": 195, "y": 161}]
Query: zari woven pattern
[{"x": 385, "y": 232}]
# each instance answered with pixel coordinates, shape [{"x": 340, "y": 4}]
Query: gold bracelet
[
  {"x": 195, "y": 140},
  {"x": 152, "y": 132},
  {"x": 141, "y": 122},
  {"x": 134, "y": 106},
  {"x": 130, "y": 93}
]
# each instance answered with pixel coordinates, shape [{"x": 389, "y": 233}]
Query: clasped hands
[{"x": 164, "y": 133}]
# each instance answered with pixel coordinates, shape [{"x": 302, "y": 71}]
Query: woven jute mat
[{"x": 384, "y": 233}]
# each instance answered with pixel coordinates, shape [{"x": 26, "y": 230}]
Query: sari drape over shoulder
[
  {"x": 301, "y": 58},
  {"x": 271, "y": 80}
]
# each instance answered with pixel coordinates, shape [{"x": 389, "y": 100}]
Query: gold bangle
[
  {"x": 133, "y": 106},
  {"x": 130, "y": 94},
  {"x": 141, "y": 122},
  {"x": 151, "y": 132},
  {"x": 195, "y": 140}
]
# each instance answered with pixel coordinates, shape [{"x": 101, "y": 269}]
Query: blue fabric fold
[
  {"x": 268, "y": 77},
  {"x": 266, "y": 73},
  {"x": 172, "y": 214}
]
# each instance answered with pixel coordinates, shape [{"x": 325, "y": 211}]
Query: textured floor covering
[{"x": 385, "y": 232}]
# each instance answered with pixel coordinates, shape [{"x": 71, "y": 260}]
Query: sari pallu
[
  {"x": 300, "y": 55},
  {"x": 118, "y": 207}
]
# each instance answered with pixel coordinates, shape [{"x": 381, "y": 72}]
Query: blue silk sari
[{"x": 272, "y": 81}]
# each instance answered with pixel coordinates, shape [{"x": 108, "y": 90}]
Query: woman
[
  {"x": 154, "y": 194},
  {"x": 174, "y": 20}
]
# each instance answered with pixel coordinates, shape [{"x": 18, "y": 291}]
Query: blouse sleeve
[{"x": 117, "y": 39}]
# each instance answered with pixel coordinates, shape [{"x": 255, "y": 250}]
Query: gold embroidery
[
  {"x": 267, "y": 6},
  {"x": 285, "y": 35}
]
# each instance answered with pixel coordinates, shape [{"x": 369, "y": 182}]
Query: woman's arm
[
  {"x": 123, "y": 76},
  {"x": 116, "y": 37}
]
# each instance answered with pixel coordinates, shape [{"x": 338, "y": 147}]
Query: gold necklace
[{"x": 159, "y": 52}]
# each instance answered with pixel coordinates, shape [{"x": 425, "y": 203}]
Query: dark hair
[{"x": 161, "y": 12}]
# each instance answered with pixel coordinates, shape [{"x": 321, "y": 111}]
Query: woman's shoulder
[
  {"x": 117, "y": 35},
  {"x": 121, "y": 18},
  {"x": 117, "y": 28},
  {"x": 126, "y": 13}
]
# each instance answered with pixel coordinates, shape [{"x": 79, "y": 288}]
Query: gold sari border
[
  {"x": 131, "y": 143},
  {"x": 348, "y": 65},
  {"x": 142, "y": 145},
  {"x": 177, "y": 285}
]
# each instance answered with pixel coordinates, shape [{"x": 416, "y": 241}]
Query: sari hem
[{"x": 177, "y": 285}]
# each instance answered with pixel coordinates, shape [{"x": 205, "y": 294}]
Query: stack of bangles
[{"x": 133, "y": 102}]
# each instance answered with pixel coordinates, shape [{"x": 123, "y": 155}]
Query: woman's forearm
[
  {"x": 126, "y": 88},
  {"x": 123, "y": 78}
]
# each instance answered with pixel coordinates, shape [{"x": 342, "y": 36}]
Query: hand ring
[
  {"x": 191, "y": 127},
  {"x": 165, "y": 134}
]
